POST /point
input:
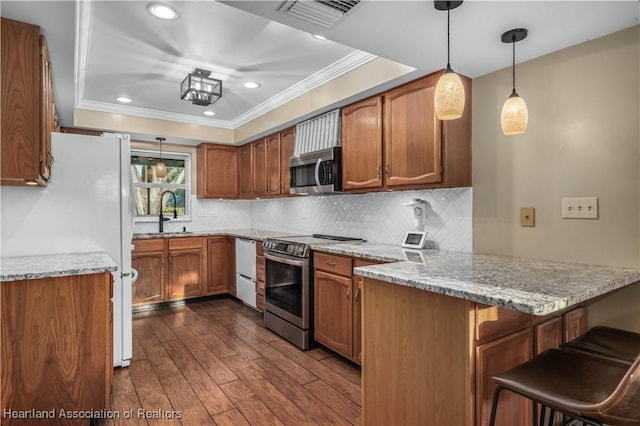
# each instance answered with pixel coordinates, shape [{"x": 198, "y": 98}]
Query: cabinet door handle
[
  {"x": 386, "y": 170},
  {"x": 330, "y": 263},
  {"x": 51, "y": 159},
  {"x": 170, "y": 260},
  {"x": 349, "y": 293},
  {"x": 357, "y": 296},
  {"x": 379, "y": 173}
]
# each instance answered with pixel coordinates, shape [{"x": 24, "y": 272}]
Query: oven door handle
[{"x": 282, "y": 259}]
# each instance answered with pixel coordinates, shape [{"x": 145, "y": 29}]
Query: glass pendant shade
[
  {"x": 161, "y": 169},
  {"x": 515, "y": 116},
  {"x": 449, "y": 96}
]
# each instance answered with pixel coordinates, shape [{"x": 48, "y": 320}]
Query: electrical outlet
[
  {"x": 303, "y": 213},
  {"x": 214, "y": 212},
  {"x": 527, "y": 216},
  {"x": 202, "y": 212},
  {"x": 580, "y": 208}
]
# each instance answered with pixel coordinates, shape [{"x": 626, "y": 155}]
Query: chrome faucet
[{"x": 163, "y": 219}]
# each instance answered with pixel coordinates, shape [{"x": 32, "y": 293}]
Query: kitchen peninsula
[{"x": 435, "y": 331}]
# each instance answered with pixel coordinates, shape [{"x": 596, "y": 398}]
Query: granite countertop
[
  {"x": 538, "y": 287},
  {"x": 251, "y": 234},
  {"x": 17, "y": 268}
]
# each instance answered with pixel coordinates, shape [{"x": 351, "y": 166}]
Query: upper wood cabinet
[
  {"x": 28, "y": 109},
  {"x": 362, "y": 144},
  {"x": 395, "y": 141},
  {"x": 218, "y": 171},
  {"x": 273, "y": 164},
  {"x": 260, "y": 168},
  {"x": 246, "y": 171},
  {"x": 287, "y": 142}
]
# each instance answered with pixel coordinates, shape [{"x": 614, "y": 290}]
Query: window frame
[{"x": 186, "y": 186}]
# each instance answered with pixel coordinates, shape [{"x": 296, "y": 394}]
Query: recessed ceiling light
[
  {"x": 318, "y": 36},
  {"x": 209, "y": 113},
  {"x": 162, "y": 11},
  {"x": 124, "y": 99},
  {"x": 251, "y": 85}
]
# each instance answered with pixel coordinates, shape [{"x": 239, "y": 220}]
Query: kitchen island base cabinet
[
  {"x": 416, "y": 357},
  {"x": 57, "y": 348}
]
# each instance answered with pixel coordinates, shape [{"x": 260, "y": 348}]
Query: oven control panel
[{"x": 293, "y": 249}]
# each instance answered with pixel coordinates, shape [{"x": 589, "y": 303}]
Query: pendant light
[
  {"x": 449, "y": 97},
  {"x": 515, "y": 117},
  {"x": 161, "y": 168}
]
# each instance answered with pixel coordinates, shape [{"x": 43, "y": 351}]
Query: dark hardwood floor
[{"x": 214, "y": 363}]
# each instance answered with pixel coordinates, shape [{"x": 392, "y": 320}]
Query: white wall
[
  {"x": 377, "y": 217},
  {"x": 583, "y": 140}
]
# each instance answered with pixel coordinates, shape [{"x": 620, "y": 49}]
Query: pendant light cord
[
  {"x": 513, "y": 67},
  {"x": 448, "y": 41}
]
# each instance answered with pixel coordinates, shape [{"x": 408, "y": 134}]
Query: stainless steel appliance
[
  {"x": 288, "y": 279},
  {"x": 318, "y": 172}
]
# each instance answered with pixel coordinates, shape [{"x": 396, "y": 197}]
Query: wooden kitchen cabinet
[
  {"x": 217, "y": 171},
  {"x": 287, "y": 142},
  {"x": 246, "y": 171},
  {"x": 260, "y": 189},
  {"x": 220, "y": 251},
  {"x": 273, "y": 164},
  {"x": 362, "y": 144},
  {"x": 187, "y": 267},
  {"x": 547, "y": 335},
  {"x": 57, "y": 350},
  {"x": 259, "y": 276},
  {"x": 401, "y": 128},
  {"x": 338, "y": 304},
  {"x": 574, "y": 323},
  {"x": 496, "y": 357},
  {"x": 148, "y": 258},
  {"x": 27, "y": 105}
]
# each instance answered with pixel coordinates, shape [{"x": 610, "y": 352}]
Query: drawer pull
[
  {"x": 349, "y": 293},
  {"x": 330, "y": 263}
]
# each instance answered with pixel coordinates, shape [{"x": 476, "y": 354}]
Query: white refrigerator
[{"x": 87, "y": 206}]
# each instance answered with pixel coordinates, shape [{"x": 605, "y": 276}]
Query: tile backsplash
[{"x": 377, "y": 216}]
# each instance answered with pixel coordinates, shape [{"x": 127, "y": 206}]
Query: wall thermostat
[{"x": 415, "y": 239}]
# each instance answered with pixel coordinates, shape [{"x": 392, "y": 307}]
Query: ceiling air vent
[{"x": 320, "y": 12}]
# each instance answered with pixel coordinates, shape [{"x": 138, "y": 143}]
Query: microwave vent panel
[
  {"x": 324, "y": 13},
  {"x": 318, "y": 133}
]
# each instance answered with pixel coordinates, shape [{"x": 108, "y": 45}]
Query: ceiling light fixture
[
  {"x": 318, "y": 36},
  {"x": 515, "y": 116},
  {"x": 123, "y": 99},
  {"x": 201, "y": 90},
  {"x": 251, "y": 85},
  {"x": 162, "y": 11},
  {"x": 161, "y": 168},
  {"x": 209, "y": 113},
  {"x": 449, "y": 97}
]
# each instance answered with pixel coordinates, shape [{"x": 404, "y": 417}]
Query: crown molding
[
  {"x": 335, "y": 70},
  {"x": 152, "y": 113}
]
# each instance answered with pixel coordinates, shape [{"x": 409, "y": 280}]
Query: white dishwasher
[{"x": 246, "y": 271}]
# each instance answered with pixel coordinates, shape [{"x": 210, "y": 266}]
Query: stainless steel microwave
[{"x": 318, "y": 172}]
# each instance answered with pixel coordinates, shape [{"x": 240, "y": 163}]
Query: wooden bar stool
[
  {"x": 606, "y": 342},
  {"x": 594, "y": 390}
]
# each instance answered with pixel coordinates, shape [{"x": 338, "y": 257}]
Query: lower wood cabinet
[
  {"x": 187, "y": 267},
  {"x": 169, "y": 269},
  {"x": 57, "y": 345},
  {"x": 259, "y": 276},
  {"x": 148, "y": 258},
  {"x": 496, "y": 357},
  {"x": 337, "y": 304},
  {"x": 220, "y": 251}
]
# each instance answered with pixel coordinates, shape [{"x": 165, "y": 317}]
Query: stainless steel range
[{"x": 288, "y": 279}]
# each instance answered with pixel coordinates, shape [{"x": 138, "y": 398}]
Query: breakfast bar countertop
[
  {"x": 534, "y": 286},
  {"x": 16, "y": 268}
]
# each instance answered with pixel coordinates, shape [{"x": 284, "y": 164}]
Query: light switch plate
[
  {"x": 580, "y": 208},
  {"x": 527, "y": 216}
]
